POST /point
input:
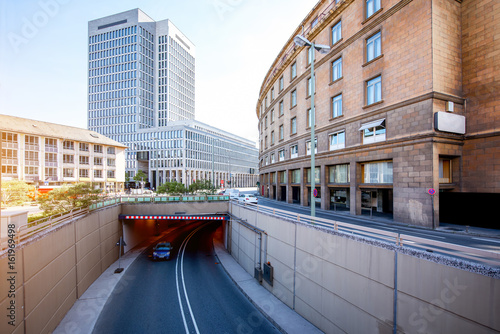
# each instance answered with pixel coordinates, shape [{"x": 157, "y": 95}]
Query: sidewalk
[{"x": 280, "y": 315}]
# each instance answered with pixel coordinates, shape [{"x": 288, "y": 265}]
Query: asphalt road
[
  {"x": 190, "y": 293},
  {"x": 484, "y": 243}
]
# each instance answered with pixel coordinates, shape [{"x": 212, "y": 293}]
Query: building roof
[{"x": 52, "y": 130}]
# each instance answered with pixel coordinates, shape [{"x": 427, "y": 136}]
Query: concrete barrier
[{"x": 342, "y": 283}]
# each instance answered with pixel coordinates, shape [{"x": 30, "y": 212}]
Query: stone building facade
[{"x": 406, "y": 100}]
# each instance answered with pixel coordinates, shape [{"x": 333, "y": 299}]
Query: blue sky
[{"x": 43, "y": 54}]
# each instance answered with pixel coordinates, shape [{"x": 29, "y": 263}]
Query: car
[
  {"x": 162, "y": 251},
  {"x": 247, "y": 198},
  {"x": 233, "y": 193}
]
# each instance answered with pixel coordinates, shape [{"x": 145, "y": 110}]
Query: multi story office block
[
  {"x": 141, "y": 76},
  {"x": 49, "y": 155},
  {"x": 142, "y": 94},
  {"x": 406, "y": 103}
]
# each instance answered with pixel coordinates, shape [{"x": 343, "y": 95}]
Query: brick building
[{"x": 406, "y": 100}]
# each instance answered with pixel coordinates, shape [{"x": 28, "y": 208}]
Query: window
[
  {"x": 281, "y": 155},
  {"x": 281, "y": 83},
  {"x": 84, "y": 160},
  {"x": 337, "y": 69},
  {"x": 309, "y": 87},
  {"x": 377, "y": 172},
  {"x": 372, "y": 6},
  {"x": 97, "y": 161},
  {"x": 30, "y": 170},
  {"x": 272, "y": 137},
  {"x": 272, "y": 94},
  {"x": 282, "y": 132},
  {"x": 294, "y": 151},
  {"x": 68, "y": 159},
  {"x": 337, "y": 106},
  {"x": 293, "y": 125},
  {"x": 309, "y": 120},
  {"x": 98, "y": 173},
  {"x": 336, "y": 32},
  {"x": 68, "y": 172},
  {"x": 97, "y": 149},
  {"x": 111, "y": 162},
  {"x": 281, "y": 108},
  {"x": 310, "y": 55},
  {"x": 83, "y": 172},
  {"x": 316, "y": 175},
  {"x": 31, "y": 156},
  {"x": 265, "y": 142},
  {"x": 84, "y": 147},
  {"x": 51, "y": 173},
  {"x": 295, "y": 176},
  {"x": 339, "y": 174},
  {"x": 111, "y": 150},
  {"x": 444, "y": 170},
  {"x": 308, "y": 146},
  {"x": 293, "y": 98},
  {"x": 272, "y": 158},
  {"x": 293, "y": 71},
  {"x": 374, "y": 90},
  {"x": 9, "y": 137},
  {"x": 272, "y": 116},
  {"x": 265, "y": 122},
  {"x": 68, "y": 145},
  {"x": 373, "y": 47},
  {"x": 111, "y": 174},
  {"x": 50, "y": 158},
  {"x": 337, "y": 140},
  {"x": 373, "y": 131}
]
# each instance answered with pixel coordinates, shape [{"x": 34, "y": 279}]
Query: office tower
[{"x": 141, "y": 75}]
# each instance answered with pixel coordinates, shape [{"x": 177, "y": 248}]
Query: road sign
[
  {"x": 431, "y": 191},
  {"x": 315, "y": 192}
]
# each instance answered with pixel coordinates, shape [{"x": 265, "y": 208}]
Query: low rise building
[{"x": 49, "y": 155}]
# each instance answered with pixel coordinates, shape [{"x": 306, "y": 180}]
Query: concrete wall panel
[
  {"x": 86, "y": 226},
  {"x": 16, "y": 314},
  {"x": 87, "y": 244}
]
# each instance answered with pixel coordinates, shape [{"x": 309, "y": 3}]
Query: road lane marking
[
  {"x": 489, "y": 240},
  {"x": 180, "y": 257}
]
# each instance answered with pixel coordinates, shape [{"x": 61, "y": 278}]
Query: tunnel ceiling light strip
[{"x": 172, "y": 217}]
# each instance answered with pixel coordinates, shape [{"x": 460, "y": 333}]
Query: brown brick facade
[{"x": 428, "y": 57}]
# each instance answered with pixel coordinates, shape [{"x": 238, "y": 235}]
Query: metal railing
[
  {"x": 30, "y": 229},
  {"x": 399, "y": 239}
]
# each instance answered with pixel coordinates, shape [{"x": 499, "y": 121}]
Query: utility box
[
  {"x": 258, "y": 274},
  {"x": 268, "y": 273}
]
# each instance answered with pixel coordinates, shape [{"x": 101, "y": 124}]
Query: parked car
[
  {"x": 233, "y": 193},
  {"x": 162, "y": 251},
  {"x": 247, "y": 198}
]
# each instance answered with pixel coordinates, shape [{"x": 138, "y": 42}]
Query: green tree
[
  {"x": 141, "y": 176},
  {"x": 202, "y": 185},
  {"x": 66, "y": 198},
  {"x": 15, "y": 192},
  {"x": 171, "y": 188}
]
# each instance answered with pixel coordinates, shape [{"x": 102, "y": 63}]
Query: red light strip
[{"x": 175, "y": 217}]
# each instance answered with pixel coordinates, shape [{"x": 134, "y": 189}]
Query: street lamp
[
  {"x": 302, "y": 41},
  {"x": 155, "y": 150}
]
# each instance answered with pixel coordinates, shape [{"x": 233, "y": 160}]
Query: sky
[{"x": 43, "y": 54}]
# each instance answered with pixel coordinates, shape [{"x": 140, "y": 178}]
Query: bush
[{"x": 15, "y": 192}]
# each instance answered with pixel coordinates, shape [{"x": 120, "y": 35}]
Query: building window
[
  {"x": 83, "y": 172},
  {"x": 69, "y": 145},
  {"x": 293, "y": 71},
  {"x": 373, "y": 47},
  {"x": 281, "y": 155},
  {"x": 281, "y": 108},
  {"x": 84, "y": 160},
  {"x": 111, "y": 162},
  {"x": 272, "y": 137},
  {"x": 337, "y": 32},
  {"x": 281, "y": 83},
  {"x": 309, "y": 120},
  {"x": 282, "y": 132},
  {"x": 111, "y": 150},
  {"x": 68, "y": 172},
  {"x": 31, "y": 156},
  {"x": 337, "y": 106},
  {"x": 293, "y": 98},
  {"x": 377, "y": 172},
  {"x": 272, "y": 94},
  {"x": 372, "y": 6},
  {"x": 374, "y": 90},
  {"x": 272, "y": 158},
  {"x": 84, "y": 147},
  {"x": 444, "y": 170},
  {"x": 339, "y": 174},
  {"x": 97, "y": 149},
  {"x": 265, "y": 122},
  {"x": 295, "y": 176},
  {"x": 309, "y": 87},
  {"x": 373, "y": 131},
  {"x": 293, "y": 125},
  {"x": 111, "y": 174},
  {"x": 97, "y": 161},
  {"x": 51, "y": 173},
  {"x": 272, "y": 116},
  {"x": 294, "y": 151},
  {"x": 9, "y": 137},
  {"x": 98, "y": 173},
  {"x": 337, "y": 69},
  {"x": 337, "y": 140},
  {"x": 30, "y": 170},
  {"x": 265, "y": 142},
  {"x": 308, "y": 146},
  {"x": 316, "y": 175}
]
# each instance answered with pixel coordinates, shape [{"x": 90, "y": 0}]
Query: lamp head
[
  {"x": 301, "y": 41},
  {"x": 323, "y": 49}
]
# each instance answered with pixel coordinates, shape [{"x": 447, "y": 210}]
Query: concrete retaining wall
[
  {"x": 50, "y": 272},
  {"x": 341, "y": 284}
]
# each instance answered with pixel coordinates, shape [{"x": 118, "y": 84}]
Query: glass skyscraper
[
  {"x": 141, "y": 93},
  {"x": 141, "y": 75}
]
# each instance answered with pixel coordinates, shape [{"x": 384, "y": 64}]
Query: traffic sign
[
  {"x": 431, "y": 191},
  {"x": 315, "y": 192}
]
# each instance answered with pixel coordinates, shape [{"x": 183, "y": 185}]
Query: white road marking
[{"x": 489, "y": 240}]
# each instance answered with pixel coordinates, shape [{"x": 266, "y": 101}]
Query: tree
[
  {"x": 66, "y": 198},
  {"x": 15, "y": 192},
  {"x": 171, "y": 188},
  {"x": 201, "y": 185},
  {"x": 141, "y": 176}
]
